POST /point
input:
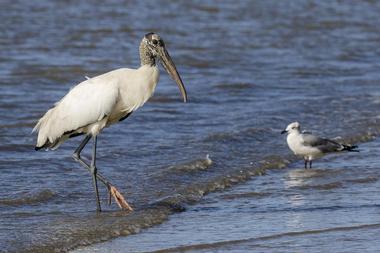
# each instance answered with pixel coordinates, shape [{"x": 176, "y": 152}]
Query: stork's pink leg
[{"x": 119, "y": 199}]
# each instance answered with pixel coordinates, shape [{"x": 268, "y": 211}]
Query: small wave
[
  {"x": 166, "y": 111},
  {"x": 163, "y": 99},
  {"x": 312, "y": 173},
  {"x": 214, "y": 246},
  {"x": 200, "y": 64},
  {"x": 96, "y": 229},
  {"x": 237, "y": 136},
  {"x": 208, "y": 9},
  {"x": 327, "y": 186},
  {"x": 55, "y": 73},
  {"x": 18, "y": 125},
  {"x": 194, "y": 192},
  {"x": 365, "y": 180},
  {"x": 29, "y": 199},
  {"x": 196, "y": 165},
  {"x": 234, "y": 86},
  {"x": 219, "y": 137},
  {"x": 174, "y": 202},
  {"x": 245, "y": 195}
]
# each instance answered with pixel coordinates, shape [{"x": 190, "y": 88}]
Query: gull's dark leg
[
  {"x": 305, "y": 163},
  {"x": 310, "y": 162},
  {"x": 94, "y": 172}
]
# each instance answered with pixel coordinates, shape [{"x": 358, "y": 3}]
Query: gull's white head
[{"x": 292, "y": 127}]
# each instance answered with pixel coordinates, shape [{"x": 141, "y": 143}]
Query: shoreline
[{"x": 180, "y": 221}]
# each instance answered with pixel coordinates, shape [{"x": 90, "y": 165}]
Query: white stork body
[
  {"x": 97, "y": 103},
  {"x": 101, "y": 101}
]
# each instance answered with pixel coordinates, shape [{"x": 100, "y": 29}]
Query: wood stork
[
  {"x": 311, "y": 147},
  {"x": 103, "y": 100}
]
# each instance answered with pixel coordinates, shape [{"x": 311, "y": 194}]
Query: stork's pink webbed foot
[{"x": 119, "y": 199}]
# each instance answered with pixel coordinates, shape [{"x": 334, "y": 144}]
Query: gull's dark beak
[
  {"x": 284, "y": 131},
  {"x": 169, "y": 66}
]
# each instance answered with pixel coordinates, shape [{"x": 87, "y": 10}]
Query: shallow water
[
  {"x": 250, "y": 68},
  {"x": 333, "y": 207}
]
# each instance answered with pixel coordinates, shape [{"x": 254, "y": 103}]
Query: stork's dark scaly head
[
  {"x": 152, "y": 48},
  {"x": 153, "y": 42}
]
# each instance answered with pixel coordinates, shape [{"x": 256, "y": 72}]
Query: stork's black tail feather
[
  {"x": 350, "y": 148},
  {"x": 47, "y": 144}
]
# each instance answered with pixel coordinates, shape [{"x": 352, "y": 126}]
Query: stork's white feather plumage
[{"x": 96, "y": 103}]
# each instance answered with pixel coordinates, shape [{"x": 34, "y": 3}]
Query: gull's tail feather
[{"x": 350, "y": 148}]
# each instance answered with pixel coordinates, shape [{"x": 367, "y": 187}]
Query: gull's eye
[{"x": 155, "y": 42}]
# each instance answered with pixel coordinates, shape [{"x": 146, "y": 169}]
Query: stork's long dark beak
[
  {"x": 284, "y": 131},
  {"x": 169, "y": 66}
]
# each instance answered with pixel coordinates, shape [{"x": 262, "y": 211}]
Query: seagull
[
  {"x": 103, "y": 100},
  {"x": 310, "y": 146}
]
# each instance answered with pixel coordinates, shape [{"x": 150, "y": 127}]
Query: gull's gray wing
[{"x": 324, "y": 145}]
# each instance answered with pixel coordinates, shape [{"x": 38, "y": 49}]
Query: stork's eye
[{"x": 155, "y": 42}]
